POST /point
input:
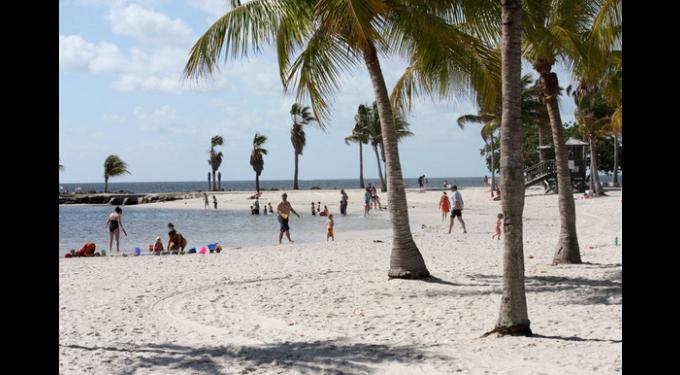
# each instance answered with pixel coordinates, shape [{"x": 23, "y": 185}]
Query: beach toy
[
  {"x": 202, "y": 250},
  {"x": 192, "y": 250},
  {"x": 212, "y": 247},
  {"x": 218, "y": 248},
  {"x": 136, "y": 251},
  {"x": 103, "y": 252}
]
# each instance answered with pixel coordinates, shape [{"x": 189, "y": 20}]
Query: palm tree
[
  {"x": 61, "y": 167},
  {"x": 215, "y": 158},
  {"x": 256, "y": 160},
  {"x": 360, "y": 136},
  {"x": 113, "y": 166},
  {"x": 331, "y": 37},
  {"x": 593, "y": 116},
  {"x": 490, "y": 125},
  {"x": 552, "y": 30},
  {"x": 301, "y": 117},
  {"x": 513, "y": 317}
]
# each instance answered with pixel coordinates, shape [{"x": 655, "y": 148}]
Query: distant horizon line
[{"x": 261, "y": 180}]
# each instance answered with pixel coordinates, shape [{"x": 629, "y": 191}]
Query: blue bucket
[
  {"x": 137, "y": 251},
  {"x": 212, "y": 246},
  {"x": 192, "y": 250}
]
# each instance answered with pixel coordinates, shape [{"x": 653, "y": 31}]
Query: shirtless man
[{"x": 283, "y": 210}]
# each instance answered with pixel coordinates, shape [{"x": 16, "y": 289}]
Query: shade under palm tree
[{"x": 113, "y": 166}]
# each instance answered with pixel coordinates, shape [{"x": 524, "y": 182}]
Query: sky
[{"x": 121, "y": 92}]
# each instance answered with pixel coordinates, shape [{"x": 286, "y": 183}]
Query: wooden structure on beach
[{"x": 545, "y": 172}]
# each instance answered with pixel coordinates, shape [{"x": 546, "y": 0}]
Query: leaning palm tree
[
  {"x": 513, "y": 317},
  {"x": 301, "y": 117},
  {"x": 330, "y": 37},
  {"x": 256, "y": 160},
  {"x": 215, "y": 158},
  {"x": 113, "y": 166},
  {"x": 552, "y": 29},
  {"x": 361, "y": 137}
]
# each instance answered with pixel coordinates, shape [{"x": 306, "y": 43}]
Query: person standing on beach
[
  {"x": 271, "y": 210},
  {"x": 456, "y": 208},
  {"x": 367, "y": 201},
  {"x": 313, "y": 209},
  {"x": 283, "y": 210},
  {"x": 115, "y": 224},
  {"x": 343, "y": 202},
  {"x": 444, "y": 205},
  {"x": 486, "y": 181},
  {"x": 205, "y": 200},
  {"x": 215, "y": 202},
  {"x": 329, "y": 228}
]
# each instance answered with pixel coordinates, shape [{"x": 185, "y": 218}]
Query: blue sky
[{"x": 120, "y": 92}]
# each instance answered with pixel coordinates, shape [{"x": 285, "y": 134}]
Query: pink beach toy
[{"x": 202, "y": 250}]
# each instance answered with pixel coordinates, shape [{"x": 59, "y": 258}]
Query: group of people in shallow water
[{"x": 371, "y": 199}]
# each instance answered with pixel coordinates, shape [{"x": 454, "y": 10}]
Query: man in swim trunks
[
  {"x": 283, "y": 210},
  {"x": 456, "y": 208}
]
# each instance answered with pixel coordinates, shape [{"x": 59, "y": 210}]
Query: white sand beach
[{"x": 329, "y": 308}]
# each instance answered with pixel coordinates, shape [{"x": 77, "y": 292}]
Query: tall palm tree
[
  {"x": 333, "y": 36},
  {"x": 513, "y": 317},
  {"x": 113, "y": 166},
  {"x": 552, "y": 29},
  {"x": 361, "y": 137},
  {"x": 256, "y": 160},
  {"x": 301, "y": 117},
  {"x": 215, "y": 158}
]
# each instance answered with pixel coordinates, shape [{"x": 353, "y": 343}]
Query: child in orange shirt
[{"x": 444, "y": 205}]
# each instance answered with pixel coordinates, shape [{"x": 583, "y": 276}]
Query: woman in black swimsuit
[{"x": 115, "y": 225}]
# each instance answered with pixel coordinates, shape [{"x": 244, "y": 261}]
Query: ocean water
[
  {"x": 231, "y": 228},
  {"x": 193, "y": 186}
]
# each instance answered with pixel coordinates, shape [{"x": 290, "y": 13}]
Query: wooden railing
[{"x": 539, "y": 170}]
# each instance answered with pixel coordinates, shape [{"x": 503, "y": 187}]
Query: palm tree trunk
[
  {"x": 377, "y": 158},
  {"x": 257, "y": 181},
  {"x": 106, "y": 184},
  {"x": 595, "y": 184},
  {"x": 295, "y": 177},
  {"x": 493, "y": 166},
  {"x": 615, "y": 179},
  {"x": 361, "y": 166},
  {"x": 567, "y": 249},
  {"x": 209, "y": 182},
  {"x": 405, "y": 259},
  {"x": 513, "y": 317},
  {"x": 214, "y": 180},
  {"x": 382, "y": 155},
  {"x": 541, "y": 156}
]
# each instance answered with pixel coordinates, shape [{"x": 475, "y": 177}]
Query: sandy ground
[{"x": 329, "y": 307}]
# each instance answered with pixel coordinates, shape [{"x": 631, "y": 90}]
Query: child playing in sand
[
  {"x": 499, "y": 221},
  {"x": 157, "y": 246},
  {"x": 444, "y": 205},
  {"x": 176, "y": 242},
  {"x": 271, "y": 210},
  {"x": 313, "y": 209},
  {"x": 324, "y": 212},
  {"x": 329, "y": 228}
]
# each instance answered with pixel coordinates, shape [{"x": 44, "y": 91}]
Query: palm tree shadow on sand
[{"x": 328, "y": 357}]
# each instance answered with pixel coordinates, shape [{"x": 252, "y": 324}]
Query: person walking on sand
[
  {"x": 444, "y": 205},
  {"x": 329, "y": 228},
  {"x": 499, "y": 221},
  {"x": 205, "y": 200},
  {"x": 115, "y": 224},
  {"x": 215, "y": 202},
  {"x": 456, "y": 208},
  {"x": 283, "y": 210}
]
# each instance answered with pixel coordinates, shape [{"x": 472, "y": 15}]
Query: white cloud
[
  {"x": 215, "y": 8},
  {"x": 162, "y": 120},
  {"x": 148, "y": 26},
  {"x": 77, "y": 54}
]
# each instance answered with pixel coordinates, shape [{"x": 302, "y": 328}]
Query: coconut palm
[
  {"x": 113, "y": 166},
  {"x": 215, "y": 158},
  {"x": 256, "y": 160},
  {"x": 513, "y": 317},
  {"x": 361, "y": 137},
  {"x": 330, "y": 37},
  {"x": 301, "y": 117},
  {"x": 593, "y": 116},
  {"x": 553, "y": 30}
]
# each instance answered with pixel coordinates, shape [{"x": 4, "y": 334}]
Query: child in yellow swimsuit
[{"x": 329, "y": 228}]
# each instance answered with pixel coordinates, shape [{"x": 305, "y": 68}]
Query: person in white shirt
[{"x": 456, "y": 208}]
